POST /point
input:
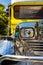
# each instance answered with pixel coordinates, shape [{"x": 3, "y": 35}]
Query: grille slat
[{"x": 36, "y": 46}]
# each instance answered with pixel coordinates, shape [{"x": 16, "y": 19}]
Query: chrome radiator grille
[
  {"x": 36, "y": 46},
  {"x": 30, "y": 47}
]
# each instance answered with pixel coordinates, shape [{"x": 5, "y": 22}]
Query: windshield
[{"x": 26, "y": 11}]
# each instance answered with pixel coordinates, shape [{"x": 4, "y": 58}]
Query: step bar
[{"x": 22, "y": 58}]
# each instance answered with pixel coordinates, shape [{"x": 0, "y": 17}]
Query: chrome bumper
[{"x": 22, "y": 58}]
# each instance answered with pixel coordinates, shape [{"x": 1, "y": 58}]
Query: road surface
[{"x": 21, "y": 63}]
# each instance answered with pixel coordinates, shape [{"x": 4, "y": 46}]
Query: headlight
[{"x": 27, "y": 32}]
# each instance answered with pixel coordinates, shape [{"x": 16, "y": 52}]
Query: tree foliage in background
[{"x": 3, "y": 20}]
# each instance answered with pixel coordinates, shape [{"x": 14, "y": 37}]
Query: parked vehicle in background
[{"x": 6, "y": 45}]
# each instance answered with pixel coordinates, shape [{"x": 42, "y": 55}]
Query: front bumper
[{"x": 22, "y": 58}]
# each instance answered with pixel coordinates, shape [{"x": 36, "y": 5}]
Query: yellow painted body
[{"x": 13, "y": 22}]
